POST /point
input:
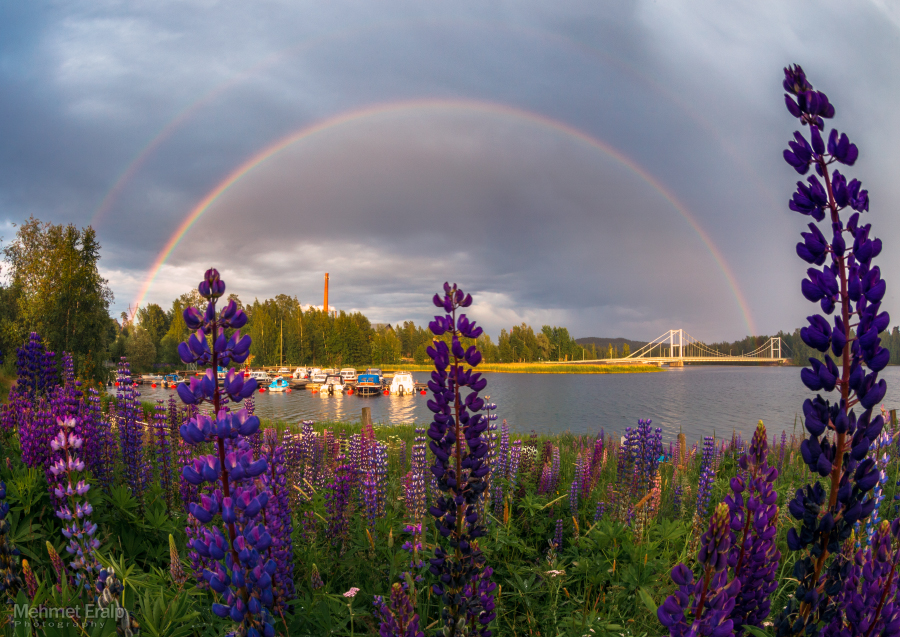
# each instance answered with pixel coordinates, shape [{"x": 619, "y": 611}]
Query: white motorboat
[
  {"x": 403, "y": 384},
  {"x": 318, "y": 377},
  {"x": 348, "y": 374},
  {"x": 301, "y": 373},
  {"x": 262, "y": 378},
  {"x": 333, "y": 385},
  {"x": 283, "y": 371}
]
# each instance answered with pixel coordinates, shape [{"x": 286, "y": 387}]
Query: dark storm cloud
[{"x": 552, "y": 230}]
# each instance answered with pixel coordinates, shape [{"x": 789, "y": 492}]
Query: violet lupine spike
[
  {"x": 131, "y": 433},
  {"x": 10, "y": 581},
  {"x": 459, "y": 452},
  {"x": 279, "y": 522},
  {"x": 338, "y": 502},
  {"x": 74, "y": 509},
  {"x": 754, "y": 557},
  {"x": 415, "y": 491},
  {"x": 575, "y": 487},
  {"x": 397, "y": 614},
  {"x": 869, "y": 599},
  {"x": 163, "y": 453},
  {"x": 238, "y": 541},
  {"x": 849, "y": 287},
  {"x": 702, "y": 607},
  {"x": 501, "y": 470},
  {"x": 707, "y": 476}
]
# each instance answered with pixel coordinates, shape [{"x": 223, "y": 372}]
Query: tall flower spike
[
  {"x": 236, "y": 544},
  {"x": 754, "y": 557},
  {"x": 846, "y": 284},
  {"x": 459, "y": 467},
  {"x": 702, "y": 607}
]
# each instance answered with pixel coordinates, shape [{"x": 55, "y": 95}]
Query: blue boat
[
  {"x": 279, "y": 384},
  {"x": 170, "y": 380},
  {"x": 369, "y": 384}
]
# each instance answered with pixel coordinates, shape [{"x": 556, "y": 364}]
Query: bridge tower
[{"x": 676, "y": 336}]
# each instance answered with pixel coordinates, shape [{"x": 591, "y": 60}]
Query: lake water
[{"x": 699, "y": 400}]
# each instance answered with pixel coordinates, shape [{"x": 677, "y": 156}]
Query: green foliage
[{"x": 57, "y": 290}]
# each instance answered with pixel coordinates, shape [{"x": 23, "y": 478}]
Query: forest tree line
[{"x": 51, "y": 285}]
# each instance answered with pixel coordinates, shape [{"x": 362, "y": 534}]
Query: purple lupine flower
[
  {"x": 74, "y": 509},
  {"x": 338, "y": 500},
  {"x": 398, "y": 616},
  {"x": 599, "y": 511},
  {"x": 869, "y": 599},
  {"x": 849, "y": 287},
  {"x": 754, "y": 557},
  {"x": 545, "y": 480},
  {"x": 163, "y": 453},
  {"x": 515, "y": 458},
  {"x": 415, "y": 480},
  {"x": 459, "y": 468},
  {"x": 703, "y": 607},
  {"x": 677, "y": 495},
  {"x": 575, "y": 487},
  {"x": 707, "y": 476},
  {"x": 278, "y": 521},
  {"x": 501, "y": 468},
  {"x": 554, "y": 470},
  {"x": 237, "y": 570},
  {"x": 556, "y": 542},
  {"x": 131, "y": 433},
  {"x": 10, "y": 582},
  {"x": 369, "y": 491}
]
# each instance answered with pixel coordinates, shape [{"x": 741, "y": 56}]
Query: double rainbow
[{"x": 467, "y": 105}]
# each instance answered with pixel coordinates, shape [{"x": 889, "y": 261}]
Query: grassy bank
[{"x": 539, "y": 368}]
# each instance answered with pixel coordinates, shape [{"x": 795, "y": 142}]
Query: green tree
[
  {"x": 155, "y": 320},
  {"x": 140, "y": 350},
  {"x": 60, "y": 293}
]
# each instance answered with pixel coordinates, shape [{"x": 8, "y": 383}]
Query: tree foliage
[{"x": 57, "y": 289}]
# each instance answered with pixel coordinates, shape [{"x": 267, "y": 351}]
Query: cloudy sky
[{"x": 610, "y": 166}]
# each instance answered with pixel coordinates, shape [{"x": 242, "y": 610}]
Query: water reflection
[{"x": 696, "y": 400}]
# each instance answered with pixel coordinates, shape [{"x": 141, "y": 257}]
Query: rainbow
[
  {"x": 182, "y": 117},
  {"x": 463, "y": 105}
]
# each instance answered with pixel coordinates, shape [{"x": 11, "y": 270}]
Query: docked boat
[
  {"x": 369, "y": 383},
  {"x": 348, "y": 374},
  {"x": 279, "y": 384},
  {"x": 301, "y": 373},
  {"x": 152, "y": 378},
  {"x": 318, "y": 377},
  {"x": 403, "y": 384},
  {"x": 170, "y": 380},
  {"x": 283, "y": 371},
  {"x": 262, "y": 378},
  {"x": 333, "y": 385}
]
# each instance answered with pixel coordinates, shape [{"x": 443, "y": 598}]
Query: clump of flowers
[{"x": 459, "y": 467}]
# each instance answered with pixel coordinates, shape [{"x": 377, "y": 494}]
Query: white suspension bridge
[{"x": 677, "y": 347}]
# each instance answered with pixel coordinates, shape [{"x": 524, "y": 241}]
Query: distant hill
[{"x": 603, "y": 343}]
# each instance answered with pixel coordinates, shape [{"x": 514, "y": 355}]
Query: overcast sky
[{"x": 614, "y": 167}]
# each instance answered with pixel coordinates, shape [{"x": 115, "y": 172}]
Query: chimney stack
[{"x": 326, "y": 293}]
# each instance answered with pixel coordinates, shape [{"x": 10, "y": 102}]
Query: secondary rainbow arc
[{"x": 461, "y": 104}]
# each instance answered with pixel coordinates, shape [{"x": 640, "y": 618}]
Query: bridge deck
[{"x": 675, "y": 359}]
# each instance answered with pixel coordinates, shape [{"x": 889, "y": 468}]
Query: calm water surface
[{"x": 697, "y": 400}]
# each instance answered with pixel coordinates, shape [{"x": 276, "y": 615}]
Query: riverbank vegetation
[{"x": 581, "y": 531}]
